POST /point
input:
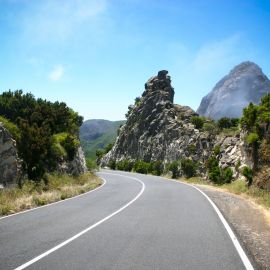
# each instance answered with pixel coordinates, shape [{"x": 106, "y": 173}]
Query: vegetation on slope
[
  {"x": 57, "y": 187},
  {"x": 97, "y": 134},
  {"x": 35, "y": 124}
]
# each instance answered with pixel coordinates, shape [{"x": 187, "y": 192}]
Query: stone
[{"x": 10, "y": 164}]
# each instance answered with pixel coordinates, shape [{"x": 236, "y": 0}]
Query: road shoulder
[{"x": 250, "y": 222}]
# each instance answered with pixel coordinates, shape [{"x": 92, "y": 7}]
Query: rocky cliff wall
[
  {"x": 10, "y": 164},
  {"x": 76, "y": 166},
  {"x": 157, "y": 129},
  {"x": 244, "y": 84}
]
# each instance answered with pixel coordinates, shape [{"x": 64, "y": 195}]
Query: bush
[
  {"x": 156, "y": 168},
  {"x": 12, "y": 128},
  {"x": 188, "y": 167},
  {"x": 91, "y": 164},
  {"x": 108, "y": 148},
  {"x": 197, "y": 121},
  {"x": 210, "y": 127},
  {"x": 252, "y": 138},
  {"x": 124, "y": 165},
  {"x": 112, "y": 164},
  {"x": 141, "y": 167},
  {"x": 174, "y": 169},
  {"x": 226, "y": 175},
  {"x": 247, "y": 172},
  {"x": 224, "y": 122},
  {"x": 216, "y": 174},
  {"x": 216, "y": 150},
  {"x": 192, "y": 148}
]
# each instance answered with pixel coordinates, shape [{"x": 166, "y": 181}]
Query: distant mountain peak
[{"x": 244, "y": 84}]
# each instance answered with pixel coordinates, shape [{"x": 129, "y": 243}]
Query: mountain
[
  {"x": 244, "y": 84},
  {"x": 97, "y": 133}
]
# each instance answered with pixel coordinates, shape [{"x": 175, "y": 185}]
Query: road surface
[{"x": 132, "y": 222}]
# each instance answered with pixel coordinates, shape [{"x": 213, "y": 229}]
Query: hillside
[
  {"x": 43, "y": 134},
  {"x": 162, "y": 136},
  {"x": 244, "y": 84},
  {"x": 96, "y": 134}
]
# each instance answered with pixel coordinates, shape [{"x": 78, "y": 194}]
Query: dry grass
[
  {"x": 59, "y": 187},
  {"x": 239, "y": 187}
]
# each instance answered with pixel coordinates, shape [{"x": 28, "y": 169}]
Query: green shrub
[
  {"x": 216, "y": 150},
  {"x": 210, "y": 127},
  {"x": 108, "y": 148},
  {"x": 124, "y": 165},
  {"x": 191, "y": 148},
  {"x": 252, "y": 138},
  {"x": 247, "y": 172},
  {"x": 112, "y": 164},
  {"x": 188, "y": 167},
  {"x": 141, "y": 167},
  {"x": 174, "y": 169},
  {"x": 226, "y": 175},
  {"x": 197, "y": 121},
  {"x": 216, "y": 174},
  {"x": 12, "y": 128},
  {"x": 156, "y": 167},
  {"x": 224, "y": 122},
  {"x": 91, "y": 164},
  {"x": 211, "y": 163}
]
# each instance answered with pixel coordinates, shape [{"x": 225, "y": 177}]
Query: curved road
[{"x": 132, "y": 222}]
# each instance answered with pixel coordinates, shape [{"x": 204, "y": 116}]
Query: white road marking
[
  {"x": 235, "y": 241},
  {"x": 50, "y": 204},
  {"x": 87, "y": 229}
]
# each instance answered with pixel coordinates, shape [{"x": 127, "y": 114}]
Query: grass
[
  {"x": 59, "y": 187},
  {"x": 239, "y": 187}
]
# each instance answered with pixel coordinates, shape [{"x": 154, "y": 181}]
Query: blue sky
[{"x": 96, "y": 55}]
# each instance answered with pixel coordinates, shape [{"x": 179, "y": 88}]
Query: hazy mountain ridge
[
  {"x": 97, "y": 133},
  {"x": 244, "y": 84}
]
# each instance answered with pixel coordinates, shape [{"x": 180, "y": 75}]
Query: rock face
[
  {"x": 10, "y": 164},
  {"x": 244, "y": 84},
  {"x": 157, "y": 129},
  {"x": 76, "y": 166}
]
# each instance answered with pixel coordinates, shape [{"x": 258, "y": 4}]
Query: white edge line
[
  {"x": 234, "y": 239},
  {"x": 23, "y": 266},
  {"x": 50, "y": 204}
]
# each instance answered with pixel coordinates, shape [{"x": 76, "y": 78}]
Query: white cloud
[{"x": 57, "y": 73}]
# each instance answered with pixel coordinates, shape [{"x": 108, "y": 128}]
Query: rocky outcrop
[
  {"x": 244, "y": 84},
  {"x": 157, "y": 129},
  {"x": 76, "y": 166},
  {"x": 10, "y": 164}
]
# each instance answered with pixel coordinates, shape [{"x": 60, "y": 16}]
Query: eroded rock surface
[
  {"x": 10, "y": 164},
  {"x": 244, "y": 84},
  {"x": 157, "y": 129}
]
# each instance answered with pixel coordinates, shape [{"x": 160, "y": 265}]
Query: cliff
[{"x": 244, "y": 84}]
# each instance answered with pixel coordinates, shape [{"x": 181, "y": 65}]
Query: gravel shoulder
[{"x": 250, "y": 222}]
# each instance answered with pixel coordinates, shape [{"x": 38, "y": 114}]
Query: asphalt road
[{"x": 131, "y": 222}]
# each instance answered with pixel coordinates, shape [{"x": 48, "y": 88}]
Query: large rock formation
[
  {"x": 244, "y": 84},
  {"x": 157, "y": 129},
  {"x": 10, "y": 164}
]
